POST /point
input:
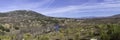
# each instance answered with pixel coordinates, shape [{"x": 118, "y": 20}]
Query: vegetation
[{"x": 30, "y": 25}]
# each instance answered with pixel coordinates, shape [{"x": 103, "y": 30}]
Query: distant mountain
[
  {"x": 116, "y": 16},
  {"x": 106, "y": 20}
]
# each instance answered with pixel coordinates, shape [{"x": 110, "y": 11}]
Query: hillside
[
  {"x": 19, "y": 22},
  {"x": 30, "y": 25}
]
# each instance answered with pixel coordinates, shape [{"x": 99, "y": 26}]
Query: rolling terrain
[{"x": 30, "y": 25}]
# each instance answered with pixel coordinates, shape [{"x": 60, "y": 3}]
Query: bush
[
  {"x": 110, "y": 32},
  {"x": 16, "y": 28},
  {"x": 115, "y": 32},
  {"x": 4, "y": 29},
  {"x": 43, "y": 37},
  {"x": 27, "y": 36}
]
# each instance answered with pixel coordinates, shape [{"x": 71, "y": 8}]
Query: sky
[{"x": 64, "y": 8}]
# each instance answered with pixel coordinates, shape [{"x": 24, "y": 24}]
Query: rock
[{"x": 93, "y": 39}]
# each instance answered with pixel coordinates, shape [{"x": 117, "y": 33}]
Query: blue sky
[{"x": 64, "y": 8}]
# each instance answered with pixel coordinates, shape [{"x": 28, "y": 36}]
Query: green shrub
[
  {"x": 27, "y": 36},
  {"x": 16, "y": 28},
  {"x": 43, "y": 37}
]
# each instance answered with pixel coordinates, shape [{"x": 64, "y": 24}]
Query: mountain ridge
[
  {"x": 22, "y": 13},
  {"x": 36, "y": 14}
]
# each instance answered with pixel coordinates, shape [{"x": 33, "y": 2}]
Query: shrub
[
  {"x": 16, "y": 28},
  {"x": 43, "y": 37},
  {"x": 27, "y": 36}
]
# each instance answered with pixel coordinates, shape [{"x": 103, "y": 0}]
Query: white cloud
[
  {"x": 109, "y": 0},
  {"x": 108, "y": 5},
  {"x": 84, "y": 8},
  {"x": 25, "y": 5}
]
